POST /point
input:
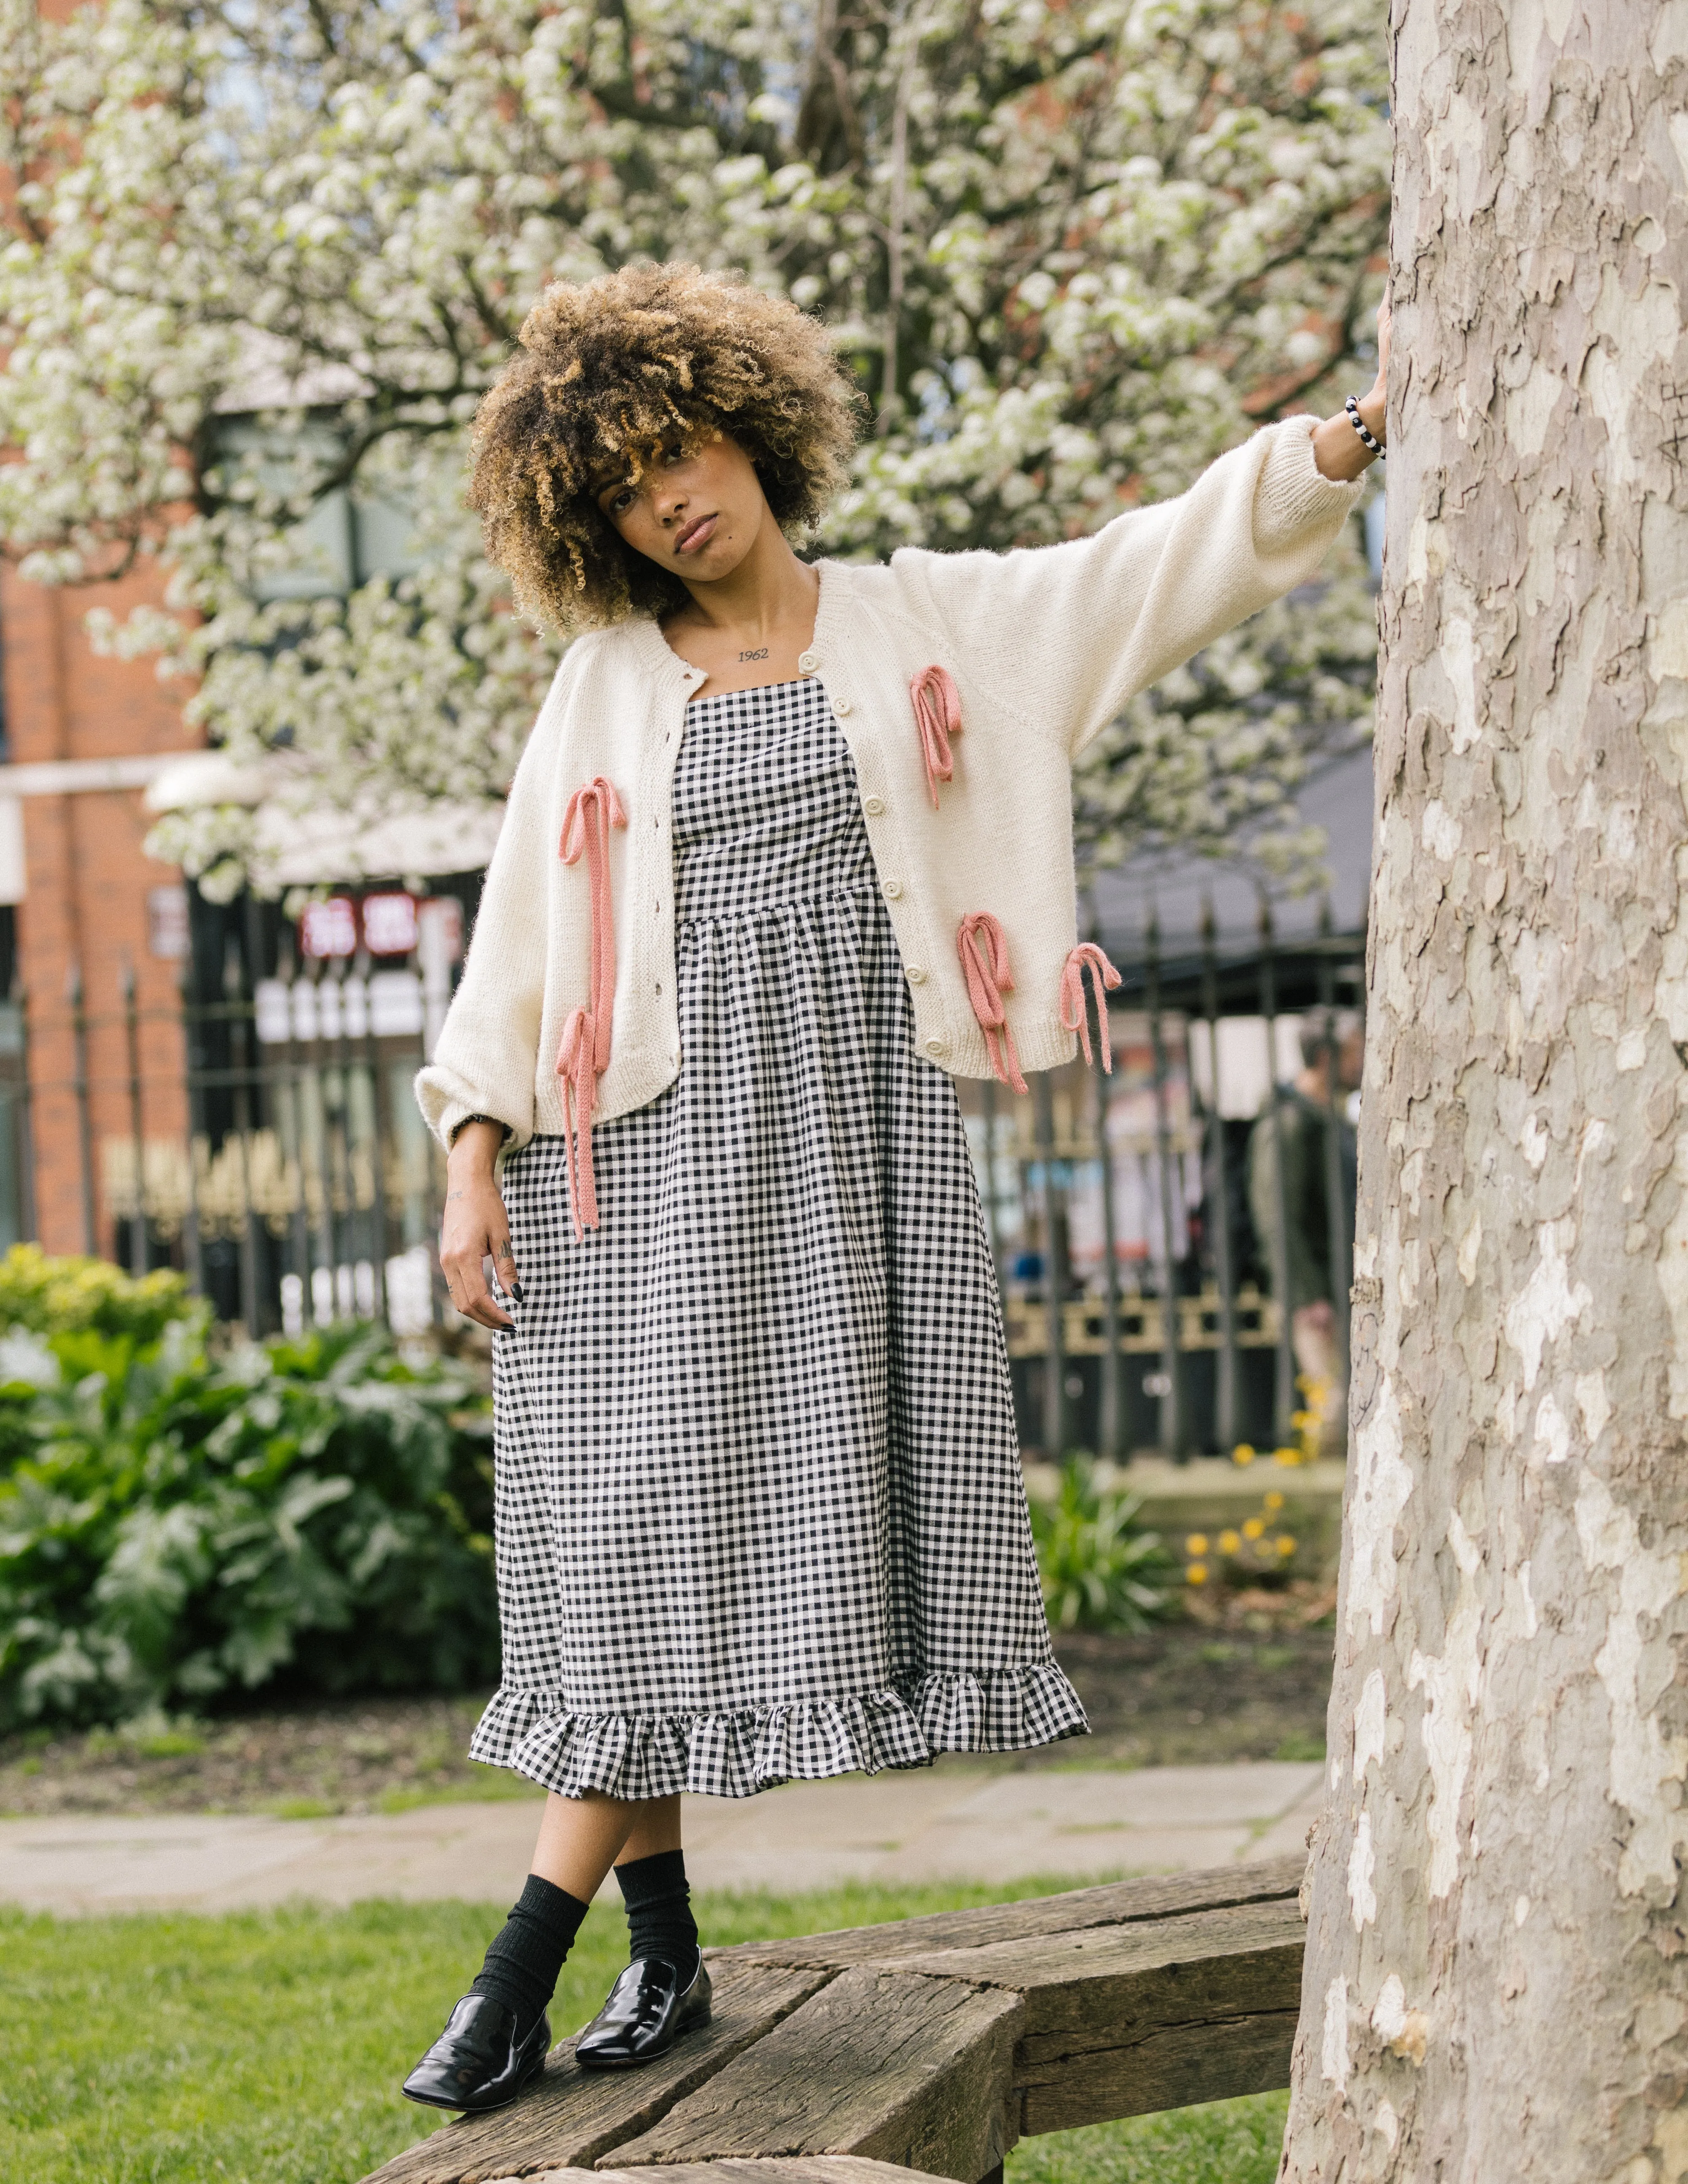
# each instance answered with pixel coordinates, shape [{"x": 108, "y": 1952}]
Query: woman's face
[{"x": 696, "y": 514}]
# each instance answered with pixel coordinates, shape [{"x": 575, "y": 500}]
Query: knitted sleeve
[
  {"x": 1069, "y": 634},
  {"x": 487, "y": 1058}
]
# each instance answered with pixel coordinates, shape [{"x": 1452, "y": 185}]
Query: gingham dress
[{"x": 759, "y": 1510}]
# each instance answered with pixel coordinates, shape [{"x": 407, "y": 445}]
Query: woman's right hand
[{"x": 475, "y": 1227}]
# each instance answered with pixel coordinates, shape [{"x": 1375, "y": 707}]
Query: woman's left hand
[
  {"x": 1381, "y": 385},
  {"x": 1338, "y": 449}
]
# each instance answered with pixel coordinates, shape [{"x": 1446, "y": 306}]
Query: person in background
[{"x": 1290, "y": 1137}]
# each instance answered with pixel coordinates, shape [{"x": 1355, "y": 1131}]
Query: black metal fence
[
  {"x": 268, "y": 1144},
  {"x": 1141, "y": 1288},
  {"x": 301, "y": 1187},
  {"x": 1142, "y": 1278}
]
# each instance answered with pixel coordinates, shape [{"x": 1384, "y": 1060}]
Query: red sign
[
  {"x": 389, "y": 924},
  {"x": 330, "y": 929}
]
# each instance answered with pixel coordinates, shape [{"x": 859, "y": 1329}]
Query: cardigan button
[
  {"x": 934, "y": 1046},
  {"x": 807, "y": 662},
  {"x": 893, "y": 888},
  {"x": 841, "y": 706},
  {"x": 914, "y": 975},
  {"x": 873, "y": 805}
]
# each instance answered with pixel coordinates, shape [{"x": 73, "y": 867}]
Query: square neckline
[{"x": 753, "y": 689}]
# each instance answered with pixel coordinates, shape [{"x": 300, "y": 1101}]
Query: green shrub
[
  {"x": 88, "y": 1296},
  {"x": 1099, "y": 1570},
  {"x": 175, "y": 1525}
]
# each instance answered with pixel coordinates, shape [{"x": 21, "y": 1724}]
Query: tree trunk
[{"x": 1497, "y": 1966}]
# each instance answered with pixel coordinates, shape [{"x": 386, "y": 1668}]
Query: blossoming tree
[{"x": 264, "y": 261}]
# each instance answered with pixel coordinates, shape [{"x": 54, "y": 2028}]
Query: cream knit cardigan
[{"x": 1046, "y": 645}]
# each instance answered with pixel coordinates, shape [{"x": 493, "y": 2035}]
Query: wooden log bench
[{"x": 932, "y": 2045}]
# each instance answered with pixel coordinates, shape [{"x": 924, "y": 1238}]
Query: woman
[{"x": 789, "y": 849}]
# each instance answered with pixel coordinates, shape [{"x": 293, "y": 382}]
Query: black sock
[
  {"x": 527, "y": 1952},
  {"x": 660, "y": 1921}
]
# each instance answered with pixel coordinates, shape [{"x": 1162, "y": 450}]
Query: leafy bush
[
  {"x": 1099, "y": 1570},
  {"x": 174, "y": 1525},
  {"x": 80, "y": 1296}
]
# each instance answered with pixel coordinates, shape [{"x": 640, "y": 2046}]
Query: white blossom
[{"x": 264, "y": 261}]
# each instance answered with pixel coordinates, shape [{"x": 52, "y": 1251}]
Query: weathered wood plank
[
  {"x": 1214, "y": 2058},
  {"x": 1123, "y": 2020},
  {"x": 1116, "y": 1979},
  {"x": 907, "y": 2069},
  {"x": 814, "y": 2169},
  {"x": 958, "y": 2034},
  {"x": 1118, "y": 1903},
  {"x": 573, "y": 2116}
]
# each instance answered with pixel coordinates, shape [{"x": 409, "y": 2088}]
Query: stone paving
[{"x": 952, "y": 1821}]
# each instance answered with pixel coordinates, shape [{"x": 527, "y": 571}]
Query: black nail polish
[{"x": 516, "y": 1293}]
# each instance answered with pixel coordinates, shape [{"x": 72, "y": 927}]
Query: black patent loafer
[
  {"x": 647, "y": 2011},
  {"x": 477, "y": 2062}
]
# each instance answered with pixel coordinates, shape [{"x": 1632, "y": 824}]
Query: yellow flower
[
  {"x": 1196, "y": 1573},
  {"x": 1286, "y": 1456},
  {"x": 1229, "y": 1542},
  {"x": 1196, "y": 1544},
  {"x": 1274, "y": 1500},
  {"x": 1285, "y": 1544},
  {"x": 1242, "y": 1454},
  {"x": 1253, "y": 1529}
]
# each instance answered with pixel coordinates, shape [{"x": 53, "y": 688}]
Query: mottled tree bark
[{"x": 1498, "y": 1966}]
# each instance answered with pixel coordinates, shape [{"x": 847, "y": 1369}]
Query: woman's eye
[{"x": 622, "y": 502}]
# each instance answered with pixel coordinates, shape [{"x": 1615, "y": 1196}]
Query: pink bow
[
  {"x": 1087, "y": 957},
  {"x": 937, "y": 715},
  {"x": 982, "y": 947},
  {"x": 591, "y": 812},
  {"x": 584, "y": 1051},
  {"x": 574, "y": 1067}
]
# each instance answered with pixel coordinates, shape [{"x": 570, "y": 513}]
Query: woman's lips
[{"x": 695, "y": 535}]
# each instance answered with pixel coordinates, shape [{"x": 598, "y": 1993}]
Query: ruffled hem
[{"x": 753, "y": 1748}]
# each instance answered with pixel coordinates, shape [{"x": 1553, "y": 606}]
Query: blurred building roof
[
  {"x": 302, "y": 844},
  {"x": 1175, "y": 886}
]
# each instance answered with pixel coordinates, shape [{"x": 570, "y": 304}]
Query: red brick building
[
  {"x": 250, "y": 1076},
  {"x": 84, "y": 902}
]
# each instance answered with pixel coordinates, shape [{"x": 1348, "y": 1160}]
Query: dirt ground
[
  {"x": 1183, "y": 1695},
  {"x": 1188, "y": 1696}
]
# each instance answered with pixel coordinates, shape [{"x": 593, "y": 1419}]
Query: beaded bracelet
[{"x": 1352, "y": 406}]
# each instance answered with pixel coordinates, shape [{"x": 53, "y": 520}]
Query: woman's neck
[
  {"x": 752, "y": 626},
  {"x": 769, "y": 589}
]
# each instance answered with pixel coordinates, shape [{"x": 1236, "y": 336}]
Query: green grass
[
  {"x": 1227, "y": 2143},
  {"x": 410, "y": 1800},
  {"x": 265, "y": 2048},
  {"x": 498, "y": 1788}
]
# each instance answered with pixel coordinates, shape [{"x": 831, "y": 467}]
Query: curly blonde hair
[{"x": 618, "y": 367}]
